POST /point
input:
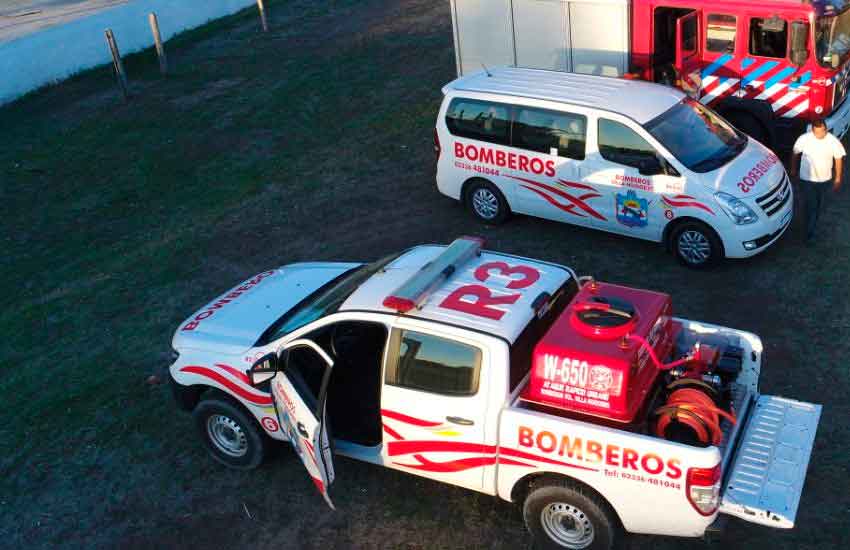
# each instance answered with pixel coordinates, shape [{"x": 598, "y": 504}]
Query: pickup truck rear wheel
[
  {"x": 231, "y": 436},
  {"x": 561, "y": 514}
]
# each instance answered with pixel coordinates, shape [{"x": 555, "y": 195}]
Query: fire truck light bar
[{"x": 416, "y": 289}]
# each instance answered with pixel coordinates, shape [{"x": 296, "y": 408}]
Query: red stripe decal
[
  {"x": 460, "y": 465},
  {"x": 579, "y": 203},
  {"x": 553, "y": 202},
  {"x": 392, "y": 432},
  {"x": 312, "y": 452},
  {"x": 235, "y": 372},
  {"x": 587, "y": 196},
  {"x": 408, "y": 419},
  {"x": 229, "y": 384},
  {"x": 686, "y": 204},
  {"x": 450, "y": 466},
  {"x": 396, "y": 448},
  {"x": 528, "y": 456},
  {"x": 788, "y": 107},
  {"x": 712, "y": 85},
  {"x": 577, "y": 185},
  {"x": 511, "y": 462},
  {"x": 319, "y": 485}
]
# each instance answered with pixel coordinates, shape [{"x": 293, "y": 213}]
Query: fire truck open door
[{"x": 689, "y": 52}]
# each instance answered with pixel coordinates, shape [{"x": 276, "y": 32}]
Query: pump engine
[{"x": 605, "y": 356}]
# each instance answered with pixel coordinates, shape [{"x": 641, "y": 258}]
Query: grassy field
[{"x": 311, "y": 142}]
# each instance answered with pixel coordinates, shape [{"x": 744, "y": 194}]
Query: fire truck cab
[
  {"x": 588, "y": 404},
  {"x": 769, "y": 66}
]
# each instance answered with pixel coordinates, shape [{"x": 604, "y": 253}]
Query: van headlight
[{"x": 740, "y": 213}]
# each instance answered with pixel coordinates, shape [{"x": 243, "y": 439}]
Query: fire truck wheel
[
  {"x": 486, "y": 202},
  {"x": 231, "y": 436},
  {"x": 561, "y": 514},
  {"x": 696, "y": 245}
]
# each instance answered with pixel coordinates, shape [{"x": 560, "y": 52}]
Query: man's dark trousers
[{"x": 813, "y": 191}]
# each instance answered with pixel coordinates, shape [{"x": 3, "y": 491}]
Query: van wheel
[
  {"x": 230, "y": 435},
  {"x": 696, "y": 245},
  {"x": 487, "y": 203},
  {"x": 560, "y": 514}
]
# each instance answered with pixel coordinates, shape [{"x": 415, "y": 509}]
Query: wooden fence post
[
  {"x": 157, "y": 39},
  {"x": 262, "y": 7},
  {"x": 117, "y": 65}
]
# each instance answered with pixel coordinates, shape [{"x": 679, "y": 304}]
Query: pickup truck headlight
[{"x": 739, "y": 212}]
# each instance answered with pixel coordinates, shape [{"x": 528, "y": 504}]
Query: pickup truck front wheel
[
  {"x": 560, "y": 514},
  {"x": 230, "y": 435}
]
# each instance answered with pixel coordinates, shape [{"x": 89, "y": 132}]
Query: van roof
[
  {"x": 508, "y": 324},
  {"x": 641, "y": 101}
]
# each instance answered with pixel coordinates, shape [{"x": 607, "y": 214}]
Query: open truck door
[
  {"x": 299, "y": 383},
  {"x": 689, "y": 52}
]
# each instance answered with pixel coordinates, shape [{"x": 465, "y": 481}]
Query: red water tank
[{"x": 587, "y": 363}]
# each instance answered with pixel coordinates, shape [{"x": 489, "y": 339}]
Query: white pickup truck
[{"x": 588, "y": 404}]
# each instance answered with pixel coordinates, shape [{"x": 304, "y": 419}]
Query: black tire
[
  {"x": 558, "y": 507},
  {"x": 696, "y": 245},
  {"x": 220, "y": 421},
  {"x": 750, "y": 125},
  {"x": 481, "y": 194}
]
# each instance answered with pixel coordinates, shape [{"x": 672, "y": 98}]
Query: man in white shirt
[{"x": 820, "y": 151}]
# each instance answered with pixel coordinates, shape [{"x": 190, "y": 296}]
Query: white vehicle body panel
[
  {"x": 496, "y": 272},
  {"x": 542, "y": 34},
  {"x": 545, "y": 443},
  {"x": 769, "y": 470},
  {"x": 491, "y": 441},
  {"x": 593, "y": 191}
]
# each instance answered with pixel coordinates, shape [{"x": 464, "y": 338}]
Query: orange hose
[{"x": 700, "y": 404}]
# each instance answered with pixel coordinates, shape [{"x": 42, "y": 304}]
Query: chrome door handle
[{"x": 459, "y": 420}]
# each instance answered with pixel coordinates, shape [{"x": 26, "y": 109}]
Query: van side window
[
  {"x": 433, "y": 364},
  {"x": 768, "y": 37},
  {"x": 481, "y": 120},
  {"x": 720, "y": 33},
  {"x": 619, "y": 143},
  {"x": 542, "y": 131}
]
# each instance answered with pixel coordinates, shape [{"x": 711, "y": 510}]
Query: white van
[{"x": 620, "y": 155}]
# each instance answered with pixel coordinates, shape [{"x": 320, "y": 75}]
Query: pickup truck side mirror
[
  {"x": 264, "y": 369},
  {"x": 799, "y": 43}
]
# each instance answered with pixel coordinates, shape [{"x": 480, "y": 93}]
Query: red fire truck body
[{"x": 768, "y": 66}]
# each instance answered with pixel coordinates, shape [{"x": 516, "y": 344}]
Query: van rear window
[{"x": 481, "y": 120}]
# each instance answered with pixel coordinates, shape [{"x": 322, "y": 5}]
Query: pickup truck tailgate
[{"x": 769, "y": 466}]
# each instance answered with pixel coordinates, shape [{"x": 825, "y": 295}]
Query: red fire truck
[{"x": 769, "y": 66}]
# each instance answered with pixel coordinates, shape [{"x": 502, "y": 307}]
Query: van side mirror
[
  {"x": 264, "y": 369},
  {"x": 799, "y": 43},
  {"x": 650, "y": 166}
]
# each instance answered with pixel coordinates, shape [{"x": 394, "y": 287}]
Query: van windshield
[{"x": 698, "y": 137}]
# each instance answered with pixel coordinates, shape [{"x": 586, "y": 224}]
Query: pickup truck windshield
[
  {"x": 700, "y": 139},
  {"x": 326, "y": 300},
  {"x": 832, "y": 36}
]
